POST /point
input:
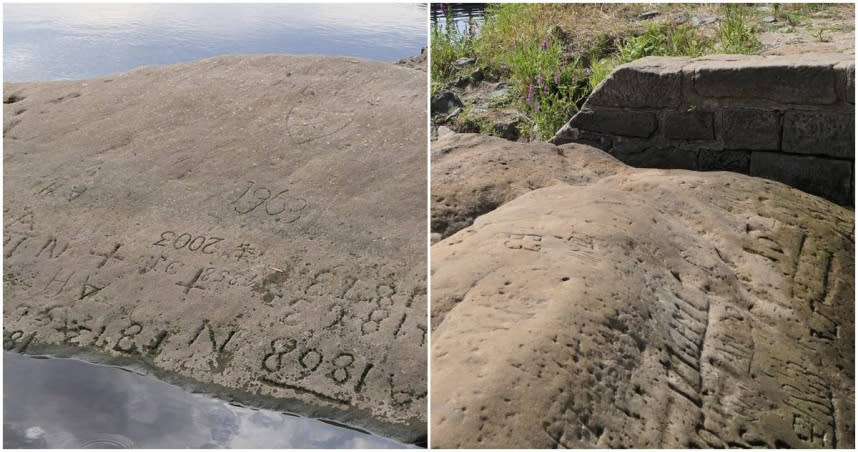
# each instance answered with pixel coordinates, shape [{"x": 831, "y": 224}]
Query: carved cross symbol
[
  {"x": 107, "y": 256},
  {"x": 192, "y": 283}
]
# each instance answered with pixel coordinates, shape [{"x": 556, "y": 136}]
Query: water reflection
[
  {"x": 53, "y": 42},
  {"x": 62, "y": 403},
  {"x": 463, "y": 14}
]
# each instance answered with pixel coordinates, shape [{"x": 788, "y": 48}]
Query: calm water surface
[
  {"x": 75, "y": 41},
  {"x": 64, "y": 403},
  {"x": 463, "y": 14}
]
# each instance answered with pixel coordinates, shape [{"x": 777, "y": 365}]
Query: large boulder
[
  {"x": 474, "y": 174},
  {"x": 251, "y": 226},
  {"x": 649, "y": 308}
]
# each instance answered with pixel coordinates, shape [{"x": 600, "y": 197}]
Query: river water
[
  {"x": 51, "y": 403},
  {"x": 65, "y": 403},
  {"x": 462, "y": 14},
  {"x": 62, "y": 42}
]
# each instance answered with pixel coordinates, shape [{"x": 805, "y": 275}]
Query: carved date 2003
[{"x": 185, "y": 240}]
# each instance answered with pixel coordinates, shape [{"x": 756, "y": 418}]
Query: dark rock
[
  {"x": 662, "y": 77},
  {"x": 444, "y": 102},
  {"x": 618, "y": 122},
  {"x": 820, "y": 133},
  {"x": 692, "y": 125},
  {"x": 829, "y": 178},
  {"x": 751, "y": 129},
  {"x": 790, "y": 79},
  {"x": 723, "y": 160},
  {"x": 648, "y": 15}
]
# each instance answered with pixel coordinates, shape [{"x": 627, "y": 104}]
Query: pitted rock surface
[
  {"x": 650, "y": 308},
  {"x": 474, "y": 174},
  {"x": 246, "y": 225}
]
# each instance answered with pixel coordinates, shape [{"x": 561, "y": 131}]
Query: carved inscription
[
  {"x": 65, "y": 191},
  {"x": 94, "y": 305},
  {"x": 107, "y": 256},
  {"x": 187, "y": 241},
  {"x": 285, "y": 206},
  {"x": 286, "y": 363},
  {"x": 528, "y": 242}
]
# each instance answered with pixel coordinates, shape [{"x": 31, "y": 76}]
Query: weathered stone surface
[
  {"x": 688, "y": 125},
  {"x": 751, "y": 129},
  {"x": 474, "y": 174},
  {"x": 633, "y": 153},
  {"x": 662, "y": 76},
  {"x": 824, "y": 177},
  {"x": 819, "y": 133},
  {"x": 846, "y": 77},
  {"x": 788, "y": 79},
  {"x": 618, "y": 122},
  {"x": 723, "y": 160},
  {"x": 251, "y": 226},
  {"x": 650, "y": 308},
  {"x": 799, "y": 104}
]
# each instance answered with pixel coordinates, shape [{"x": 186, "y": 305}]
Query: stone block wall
[{"x": 786, "y": 118}]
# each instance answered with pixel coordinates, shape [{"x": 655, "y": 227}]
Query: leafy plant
[
  {"x": 736, "y": 37},
  {"x": 665, "y": 39},
  {"x": 449, "y": 44}
]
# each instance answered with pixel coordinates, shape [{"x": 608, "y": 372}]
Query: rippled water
[
  {"x": 61, "y": 42},
  {"x": 463, "y": 14},
  {"x": 64, "y": 403}
]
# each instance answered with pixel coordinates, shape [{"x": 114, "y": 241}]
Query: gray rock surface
[
  {"x": 251, "y": 226},
  {"x": 646, "y": 308},
  {"x": 415, "y": 62}
]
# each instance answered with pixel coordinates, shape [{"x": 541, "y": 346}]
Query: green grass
[
  {"x": 448, "y": 45},
  {"x": 735, "y": 35},
  {"x": 554, "y": 56}
]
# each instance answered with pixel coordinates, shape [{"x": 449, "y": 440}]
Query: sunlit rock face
[
  {"x": 646, "y": 308},
  {"x": 250, "y": 225}
]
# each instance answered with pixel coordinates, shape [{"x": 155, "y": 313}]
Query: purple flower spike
[
  {"x": 544, "y": 45},
  {"x": 540, "y": 81},
  {"x": 443, "y": 9},
  {"x": 545, "y": 88},
  {"x": 536, "y": 106},
  {"x": 530, "y": 93},
  {"x": 556, "y": 79}
]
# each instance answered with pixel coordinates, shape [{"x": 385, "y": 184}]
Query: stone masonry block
[
  {"x": 642, "y": 156},
  {"x": 825, "y": 177},
  {"x": 751, "y": 129},
  {"x": 789, "y": 79},
  {"x": 688, "y": 125},
  {"x": 616, "y": 122},
  {"x": 819, "y": 133},
  {"x": 846, "y": 78},
  {"x": 718, "y": 160},
  {"x": 654, "y": 82}
]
